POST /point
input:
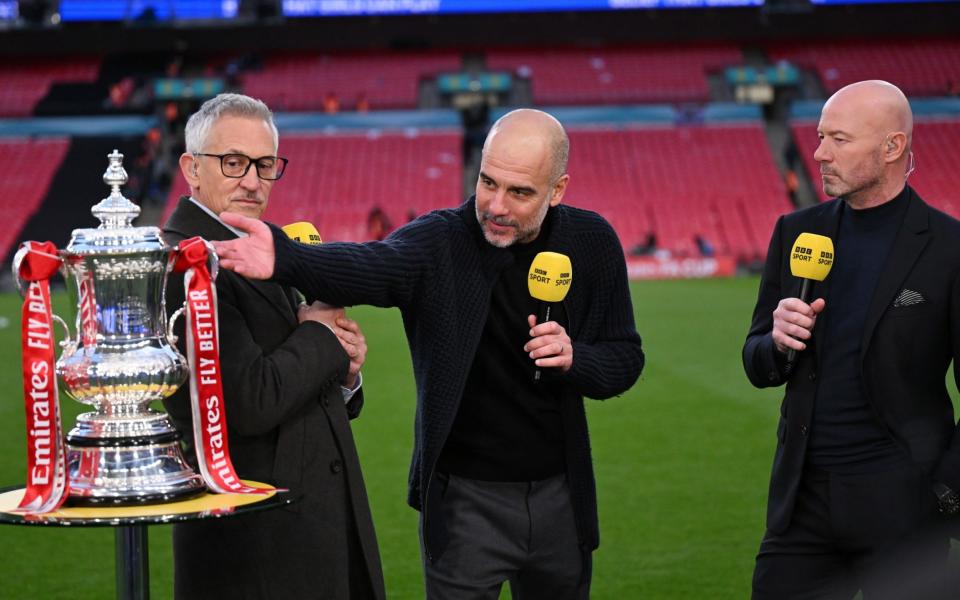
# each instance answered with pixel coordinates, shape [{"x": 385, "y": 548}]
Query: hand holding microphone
[
  {"x": 549, "y": 281},
  {"x": 794, "y": 318}
]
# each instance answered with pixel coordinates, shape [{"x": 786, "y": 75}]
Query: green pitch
[{"x": 682, "y": 461}]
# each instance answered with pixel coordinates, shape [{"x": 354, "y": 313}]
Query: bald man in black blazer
[{"x": 867, "y": 462}]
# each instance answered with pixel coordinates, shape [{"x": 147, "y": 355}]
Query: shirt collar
[{"x": 237, "y": 232}]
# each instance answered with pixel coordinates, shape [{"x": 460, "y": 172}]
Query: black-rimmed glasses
[{"x": 237, "y": 165}]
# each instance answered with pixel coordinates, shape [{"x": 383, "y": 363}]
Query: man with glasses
[{"x": 290, "y": 382}]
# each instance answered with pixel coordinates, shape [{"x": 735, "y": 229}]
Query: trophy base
[
  {"x": 158, "y": 498},
  {"x": 129, "y": 475}
]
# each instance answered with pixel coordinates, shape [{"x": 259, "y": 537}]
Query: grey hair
[
  {"x": 561, "y": 154},
  {"x": 236, "y": 105}
]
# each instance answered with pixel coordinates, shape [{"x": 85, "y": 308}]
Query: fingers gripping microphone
[
  {"x": 810, "y": 260},
  {"x": 549, "y": 281},
  {"x": 303, "y": 232}
]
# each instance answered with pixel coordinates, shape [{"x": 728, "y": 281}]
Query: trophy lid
[{"x": 116, "y": 233}]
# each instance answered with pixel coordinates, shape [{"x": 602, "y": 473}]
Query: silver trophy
[{"x": 122, "y": 359}]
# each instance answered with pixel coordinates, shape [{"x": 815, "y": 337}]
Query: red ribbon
[
  {"x": 46, "y": 454},
  {"x": 206, "y": 387},
  {"x": 88, "y": 311}
]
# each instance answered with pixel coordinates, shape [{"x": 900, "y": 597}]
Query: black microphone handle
[
  {"x": 543, "y": 315},
  {"x": 806, "y": 290}
]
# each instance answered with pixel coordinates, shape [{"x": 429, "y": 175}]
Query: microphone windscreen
[
  {"x": 303, "y": 232},
  {"x": 812, "y": 256},
  {"x": 550, "y": 276}
]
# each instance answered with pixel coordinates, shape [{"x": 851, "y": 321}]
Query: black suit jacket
[
  {"x": 288, "y": 425},
  {"x": 905, "y": 350}
]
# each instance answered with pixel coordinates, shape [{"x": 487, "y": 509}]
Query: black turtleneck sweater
[
  {"x": 846, "y": 436},
  {"x": 507, "y": 428}
]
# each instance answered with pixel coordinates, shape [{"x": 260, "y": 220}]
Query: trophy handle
[
  {"x": 172, "y": 338},
  {"x": 68, "y": 344},
  {"x": 213, "y": 261},
  {"x": 17, "y": 259}
]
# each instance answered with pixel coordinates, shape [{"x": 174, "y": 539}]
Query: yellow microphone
[
  {"x": 303, "y": 232},
  {"x": 810, "y": 260},
  {"x": 549, "y": 281}
]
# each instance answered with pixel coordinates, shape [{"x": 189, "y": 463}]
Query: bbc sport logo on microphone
[
  {"x": 550, "y": 276},
  {"x": 812, "y": 256}
]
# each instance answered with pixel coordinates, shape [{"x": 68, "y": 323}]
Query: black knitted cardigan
[{"x": 440, "y": 271}]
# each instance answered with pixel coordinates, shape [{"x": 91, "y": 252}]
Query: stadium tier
[
  {"x": 303, "y": 82},
  {"x": 336, "y": 181},
  {"x": 26, "y": 83},
  {"x": 918, "y": 67},
  {"x": 30, "y": 165},
  {"x": 718, "y": 182},
  {"x": 617, "y": 75},
  {"x": 936, "y": 147}
]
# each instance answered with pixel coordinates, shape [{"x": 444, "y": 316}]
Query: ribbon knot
[
  {"x": 41, "y": 261},
  {"x": 191, "y": 253}
]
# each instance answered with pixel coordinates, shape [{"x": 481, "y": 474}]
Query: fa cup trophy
[{"x": 122, "y": 359}]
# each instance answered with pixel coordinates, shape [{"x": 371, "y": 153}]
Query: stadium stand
[
  {"x": 918, "y": 67},
  {"x": 717, "y": 181},
  {"x": 617, "y": 75},
  {"x": 30, "y": 165},
  {"x": 335, "y": 181},
  {"x": 302, "y": 82},
  {"x": 936, "y": 146},
  {"x": 25, "y": 84}
]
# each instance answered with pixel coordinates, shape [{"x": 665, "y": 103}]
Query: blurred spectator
[
  {"x": 791, "y": 155},
  {"x": 703, "y": 245},
  {"x": 792, "y": 182},
  {"x": 363, "y": 104},
  {"x": 120, "y": 92},
  {"x": 171, "y": 112},
  {"x": 331, "y": 104},
  {"x": 378, "y": 224},
  {"x": 647, "y": 248},
  {"x": 953, "y": 88}
]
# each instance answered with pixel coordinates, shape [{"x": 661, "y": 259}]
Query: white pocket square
[{"x": 908, "y": 298}]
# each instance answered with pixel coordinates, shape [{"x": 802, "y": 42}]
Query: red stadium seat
[
  {"x": 918, "y": 67},
  {"x": 30, "y": 165},
  {"x": 617, "y": 75},
  {"x": 302, "y": 82},
  {"x": 26, "y": 83},
  {"x": 678, "y": 182}
]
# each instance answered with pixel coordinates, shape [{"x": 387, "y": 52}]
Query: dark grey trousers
[{"x": 521, "y": 532}]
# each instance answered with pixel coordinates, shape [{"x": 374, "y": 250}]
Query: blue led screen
[
  {"x": 325, "y": 8},
  {"x": 159, "y": 10}
]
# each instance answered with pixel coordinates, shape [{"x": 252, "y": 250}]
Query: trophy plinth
[{"x": 122, "y": 360}]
